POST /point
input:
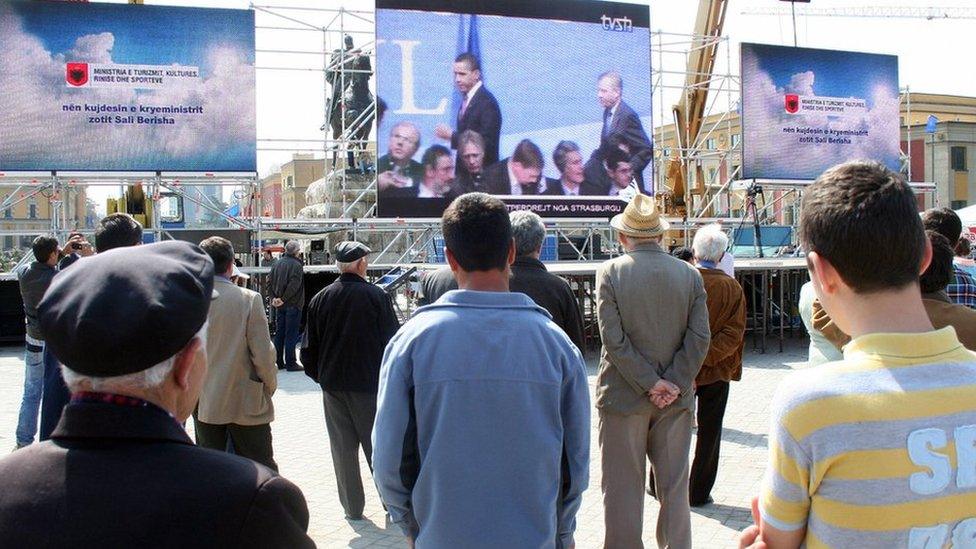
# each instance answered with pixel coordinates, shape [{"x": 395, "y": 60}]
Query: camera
[{"x": 76, "y": 245}]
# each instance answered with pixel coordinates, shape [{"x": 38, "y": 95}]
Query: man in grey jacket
[
  {"x": 654, "y": 329},
  {"x": 34, "y": 281},
  {"x": 288, "y": 299}
]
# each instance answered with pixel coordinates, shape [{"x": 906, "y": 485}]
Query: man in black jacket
[
  {"x": 288, "y": 298},
  {"x": 519, "y": 174},
  {"x": 349, "y": 324},
  {"x": 479, "y": 109},
  {"x": 119, "y": 470}
]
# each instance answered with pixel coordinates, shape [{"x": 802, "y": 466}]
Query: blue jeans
[
  {"x": 56, "y": 396},
  {"x": 33, "y": 386},
  {"x": 287, "y": 320}
]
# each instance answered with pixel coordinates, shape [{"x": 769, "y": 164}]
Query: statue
[{"x": 351, "y": 102}]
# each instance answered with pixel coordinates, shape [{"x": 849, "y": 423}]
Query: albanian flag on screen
[
  {"x": 76, "y": 74},
  {"x": 792, "y": 103}
]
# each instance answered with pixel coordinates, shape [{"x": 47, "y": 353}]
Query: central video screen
[{"x": 545, "y": 104}]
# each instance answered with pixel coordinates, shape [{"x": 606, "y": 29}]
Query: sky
[{"x": 290, "y": 103}]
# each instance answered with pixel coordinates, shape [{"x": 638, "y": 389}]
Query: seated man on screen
[
  {"x": 438, "y": 169},
  {"x": 519, "y": 174},
  {"x": 596, "y": 181},
  {"x": 398, "y": 173},
  {"x": 470, "y": 168},
  {"x": 569, "y": 162},
  {"x": 621, "y": 121},
  {"x": 621, "y": 175}
]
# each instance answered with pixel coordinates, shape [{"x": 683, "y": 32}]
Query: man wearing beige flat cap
[{"x": 655, "y": 334}]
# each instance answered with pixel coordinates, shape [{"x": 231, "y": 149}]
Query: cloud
[
  {"x": 778, "y": 155},
  {"x": 34, "y": 128}
]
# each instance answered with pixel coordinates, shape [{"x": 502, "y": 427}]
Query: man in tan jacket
[
  {"x": 654, "y": 329},
  {"x": 235, "y": 404}
]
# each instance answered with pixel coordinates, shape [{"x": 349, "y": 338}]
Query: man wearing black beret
[
  {"x": 349, "y": 324},
  {"x": 129, "y": 327}
]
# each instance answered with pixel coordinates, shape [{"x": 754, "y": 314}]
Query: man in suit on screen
[
  {"x": 479, "y": 110},
  {"x": 621, "y": 121}
]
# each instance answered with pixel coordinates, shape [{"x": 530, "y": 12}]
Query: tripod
[{"x": 751, "y": 209}]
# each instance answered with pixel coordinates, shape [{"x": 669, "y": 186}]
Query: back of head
[
  {"x": 943, "y": 221},
  {"x": 529, "y": 232},
  {"x": 939, "y": 273},
  {"x": 863, "y": 218},
  {"x": 43, "y": 247},
  {"x": 963, "y": 247},
  {"x": 478, "y": 232},
  {"x": 528, "y": 154},
  {"x": 292, "y": 247},
  {"x": 710, "y": 243},
  {"x": 221, "y": 251},
  {"x": 117, "y": 230},
  {"x": 683, "y": 253}
]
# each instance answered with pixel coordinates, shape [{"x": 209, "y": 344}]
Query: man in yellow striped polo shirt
[{"x": 878, "y": 449}]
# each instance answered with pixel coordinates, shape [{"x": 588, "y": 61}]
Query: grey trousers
[
  {"x": 349, "y": 419},
  {"x": 626, "y": 442}
]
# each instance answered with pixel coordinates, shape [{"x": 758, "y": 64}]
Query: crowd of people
[
  {"x": 615, "y": 168},
  {"x": 474, "y": 415}
]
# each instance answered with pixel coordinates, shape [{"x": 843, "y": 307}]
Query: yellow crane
[{"x": 689, "y": 113}]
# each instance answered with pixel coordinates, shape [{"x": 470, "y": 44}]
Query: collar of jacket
[
  {"x": 941, "y": 295},
  {"x": 486, "y": 300},
  {"x": 88, "y": 420},
  {"x": 649, "y": 246},
  {"x": 528, "y": 262},
  {"x": 351, "y": 277}
]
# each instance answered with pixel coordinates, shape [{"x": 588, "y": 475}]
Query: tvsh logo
[{"x": 618, "y": 24}]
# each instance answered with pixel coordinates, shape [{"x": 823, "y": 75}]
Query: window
[
  {"x": 289, "y": 182},
  {"x": 958, "y": 204},
  {"x": 711, "y": 176},
  {"x": 735, "y": 140},
  {"x": 710, "y": 143},
  {"x": 958, "y": 158},
  {"x": 8, "y": 212},
  {"x": 32, "y": 209}
]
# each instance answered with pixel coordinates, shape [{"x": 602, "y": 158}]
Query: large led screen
[
  {"x": 805, "y": 110},
  {"x": 546, "y": 104},
  {"x": 116, "y": 87}
]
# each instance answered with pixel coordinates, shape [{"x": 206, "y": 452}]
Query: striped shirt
[{"x": 879, "y": 449}]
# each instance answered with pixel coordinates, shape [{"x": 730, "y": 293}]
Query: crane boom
[
  {"x": 689, "y": 113},
  {"x": 930, "y": 13}
]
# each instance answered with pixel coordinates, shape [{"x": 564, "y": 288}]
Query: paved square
[{"x": 302, "y": 452}]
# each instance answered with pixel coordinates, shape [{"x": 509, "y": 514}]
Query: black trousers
[
  {"x": 250, "y": 441},
  {"x": 711, "y": 402},
  {"x": 712, "y": 399}
]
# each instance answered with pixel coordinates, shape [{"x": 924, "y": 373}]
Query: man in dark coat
[
  {"x": 479, "y": 109},
  {"x": 119, "y": 470},
  {"x": 349, "y": 324},
  {"x": 620, "y": 120},
  {"x": 519, "y": 175},
  {"x": 287, "y": 278}
]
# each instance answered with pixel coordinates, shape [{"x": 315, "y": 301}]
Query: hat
[
  {"x": 239, "y": 273},
  {"x": 350, "y": 250},
  {"x": 640, "y": 218},
  {"x": 126, "y": 310}
]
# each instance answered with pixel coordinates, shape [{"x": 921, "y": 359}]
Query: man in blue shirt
[{"x": 482, "y": 431}]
